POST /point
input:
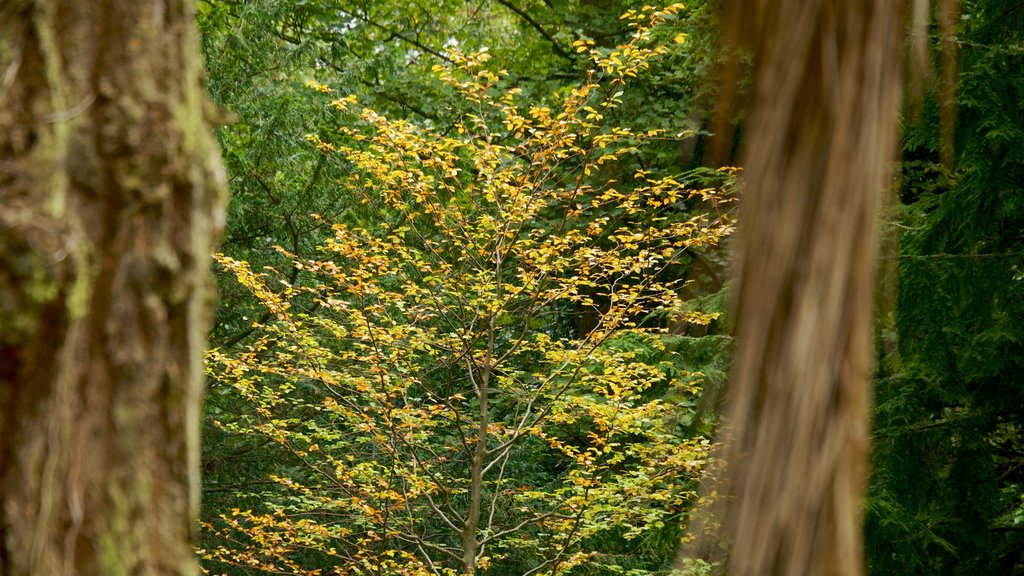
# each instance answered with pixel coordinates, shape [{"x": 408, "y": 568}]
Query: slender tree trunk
[
  {"x": 470, "y": 541},
  {"x": 949, "y": 20},
  {"x": 110, "y": 199},
  {"x": 820, "y": 144}
]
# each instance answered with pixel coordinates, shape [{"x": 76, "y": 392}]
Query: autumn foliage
[{"x": 472, "y": 375}]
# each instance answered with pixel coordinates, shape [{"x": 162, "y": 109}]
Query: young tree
[
  {"x": 439, "y": 413},
  {"x": 111, "y": 192}
]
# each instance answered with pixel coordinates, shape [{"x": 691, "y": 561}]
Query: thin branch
[
  {"x": 536, "y": 26},
  {"x": 497, "y": 491},
  {"x": 398, "y": 35}
]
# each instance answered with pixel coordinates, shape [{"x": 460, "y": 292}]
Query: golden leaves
[{"x": 445, "y": 321}]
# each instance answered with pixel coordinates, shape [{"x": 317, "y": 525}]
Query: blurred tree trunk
[
  {"x": 111, "y": 196},
  {"x": 819, "y": 147}
]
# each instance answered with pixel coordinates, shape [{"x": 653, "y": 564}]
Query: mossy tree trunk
[
  {"x": 820, "y": 143},
  {"x": 111, "y": 197}
]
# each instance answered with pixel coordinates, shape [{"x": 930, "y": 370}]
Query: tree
[
  {"x": 948, "y": 455},
  {"x": 261, "y": 53},
  {"x": 435, "y": 411},
  {"x": 112, "y": 197},
  {"x": 820, "y": 139}
]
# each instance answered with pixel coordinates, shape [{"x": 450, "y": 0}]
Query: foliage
[
  {"x": 260, "y": 54},
  {"x": 945, "y": 495},
  {"x": 431, "y": 408}
]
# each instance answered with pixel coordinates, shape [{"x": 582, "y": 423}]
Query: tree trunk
[
  {"x": 111, "y": 195},
  {"x": 820, "y": 144}
]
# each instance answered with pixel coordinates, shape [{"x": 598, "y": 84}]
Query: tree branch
[
  {"x": 398, "y": 35},
  {"x": 536, "y": 26}
]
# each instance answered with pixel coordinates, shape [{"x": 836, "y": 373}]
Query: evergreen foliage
[{"x": 947, "y": 493}]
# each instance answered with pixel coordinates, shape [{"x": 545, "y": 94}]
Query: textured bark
[
  {"x": 111, "y": 196},
  {"x": 818, "y": 155}
]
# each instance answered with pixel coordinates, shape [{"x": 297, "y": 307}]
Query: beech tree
[
  {"x": 433, "y": 410},
  {"x": 112, "y": 195}
]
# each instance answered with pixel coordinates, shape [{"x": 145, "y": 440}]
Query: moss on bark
[{"x": 113, "y": 196}]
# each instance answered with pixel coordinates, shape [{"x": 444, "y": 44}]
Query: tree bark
[
  {"x": 820, "y": 143},
  {"x": 112, "y": 196}
]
